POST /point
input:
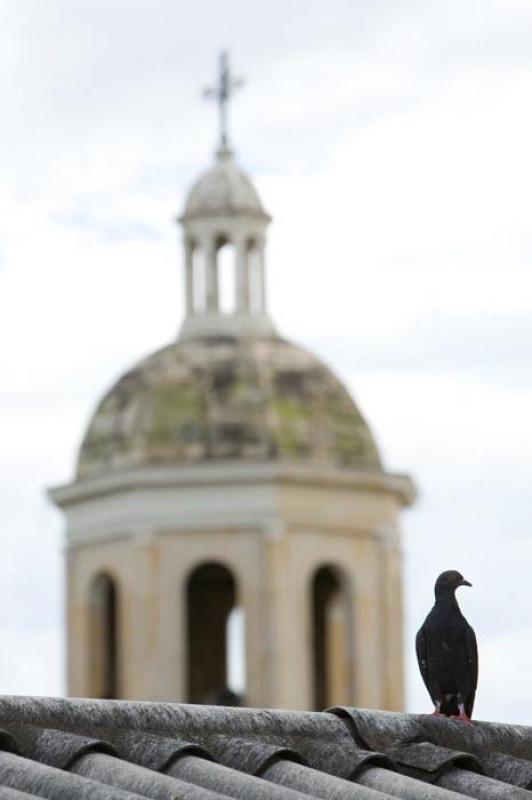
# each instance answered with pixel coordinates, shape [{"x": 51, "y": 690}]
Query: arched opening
[
  {"x": 226, "y": 266},
  {"x": 199, "y": 280},
  {"x": 332, "y": 637},
  {"x": 256, "y": 288},
  {"x": 215, "y": 637},
  {"x": 104, "y": 656}
]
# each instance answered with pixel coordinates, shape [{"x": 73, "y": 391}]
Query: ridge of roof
[{"x": 55, "y": 748}]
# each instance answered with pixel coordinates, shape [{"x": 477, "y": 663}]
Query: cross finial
[{"x": 222, "y": 93}]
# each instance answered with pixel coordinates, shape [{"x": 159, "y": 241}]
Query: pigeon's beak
[{"x": 466, "y": 583}]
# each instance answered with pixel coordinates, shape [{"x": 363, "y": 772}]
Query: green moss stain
[
  {"x": 176, "y": 409},
  {"x": 232, "y": 404}
]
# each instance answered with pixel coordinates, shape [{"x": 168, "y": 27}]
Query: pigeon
[{"x": 446, "y": 649}]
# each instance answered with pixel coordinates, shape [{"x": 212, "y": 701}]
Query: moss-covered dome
[{"x": 226, "y": 398}]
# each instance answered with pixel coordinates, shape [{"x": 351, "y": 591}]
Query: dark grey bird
[{"x": 446, "y": 649}]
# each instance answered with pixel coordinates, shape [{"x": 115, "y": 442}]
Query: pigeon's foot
[{"x": 437, "y": 713}]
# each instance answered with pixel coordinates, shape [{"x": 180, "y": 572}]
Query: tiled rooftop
[{"x": 101, "y": 749}]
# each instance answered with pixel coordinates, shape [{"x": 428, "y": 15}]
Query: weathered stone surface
[{"x": 227, "y": 398}]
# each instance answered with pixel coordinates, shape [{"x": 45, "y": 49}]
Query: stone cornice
[{"x": 229, "y": 473}]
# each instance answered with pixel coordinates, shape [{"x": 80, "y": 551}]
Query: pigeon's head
[{"x": 449, "y": 581}]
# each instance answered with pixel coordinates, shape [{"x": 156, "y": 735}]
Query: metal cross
[{"x": 222, "y": 93}]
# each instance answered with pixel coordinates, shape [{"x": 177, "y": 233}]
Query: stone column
[
  {"x": 189, "y": 277},
  {"x": 211, "y": 274},
  {"x": 242, "y": 276}
]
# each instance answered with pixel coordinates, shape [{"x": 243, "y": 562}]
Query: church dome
[
  {"x": 226, "y": 398},
  {"x": 224, "y": 189}
]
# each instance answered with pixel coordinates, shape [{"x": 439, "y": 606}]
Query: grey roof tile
[
  {"x": 425, "y": 757},
  {"x": 41, "y": 780},
  {"x": 319, "y": 784},
  {"x": 113, "y": 771},
  {"x": 480, "y": 786},
  {"x": 55, "y": 748},
  {"x": 149, "y": 750},
  {"x": 249, "y": 755},
  {"x": 230, "y": 782},
  {"x": 509, "y": 769},
  {"x": 403, "y": 786}
]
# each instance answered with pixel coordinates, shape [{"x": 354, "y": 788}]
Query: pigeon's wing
[
  {"x": 421, "y": 652},
  {"x": 472, "y": 669}
]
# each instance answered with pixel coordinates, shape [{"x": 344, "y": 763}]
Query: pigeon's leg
[
  {"x": 437, "y": 712},
  {"x": 462, "y": 715}
]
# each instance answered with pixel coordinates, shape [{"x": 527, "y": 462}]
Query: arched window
[
  {"x": 226, "y": 266},
  {"x": 104, "y": 656},
  {"x": 214, "y": 637},
  {"x": 332, "y": 638}
]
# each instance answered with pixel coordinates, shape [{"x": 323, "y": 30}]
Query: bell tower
[{"x": 230, "y": 502}]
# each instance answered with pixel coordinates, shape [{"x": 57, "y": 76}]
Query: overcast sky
[{"x": 390, "y": 140}]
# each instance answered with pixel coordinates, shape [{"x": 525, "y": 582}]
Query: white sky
[{"x": 391, "y": 142}]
